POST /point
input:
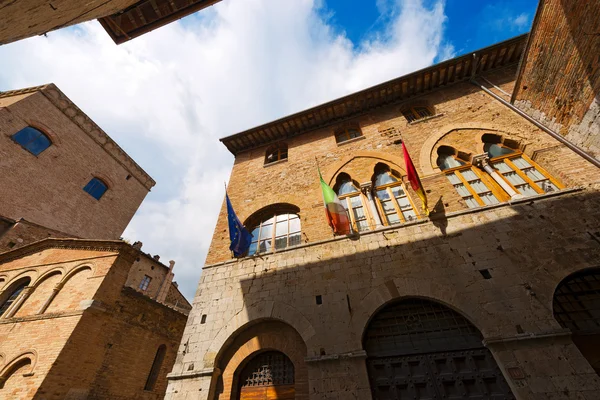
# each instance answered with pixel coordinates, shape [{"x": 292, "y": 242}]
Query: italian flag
[
  {"x": 337, "y": 217},
  {"x": 414, "y": 180}
]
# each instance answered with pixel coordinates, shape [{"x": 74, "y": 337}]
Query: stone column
[
  {"x": 44, "y": 306},
  {"x": 482, "y": 161},
  {"x": 367, "y": 189}
]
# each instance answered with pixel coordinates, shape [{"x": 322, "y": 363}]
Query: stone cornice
[
  {"x": 117, "y": 246},
  {"x": 79, "y": 118}
]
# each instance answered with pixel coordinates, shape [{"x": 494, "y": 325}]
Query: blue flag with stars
[{"x": 238, "y": 234}]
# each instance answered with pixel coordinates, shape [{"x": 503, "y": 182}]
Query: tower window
[
  {"x": 346, "y": 134},
  {"x": 275, "y": 233},
  {"x": 415, "y": 113},
  {"x": 353, "y": 201},
  {"x": 276, "y": 153},
  {"x": 32, "y": 140},
  {"x": 145, "y": 283},
  {"x": 96, "y": 188},
  {"x": 392, "y": 200}
]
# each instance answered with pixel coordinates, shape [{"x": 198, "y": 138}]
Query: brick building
[
  {"x": 494, "y": 295},
  {"x": 82, "y": 314},
  {"x": 123, "y": 20}
]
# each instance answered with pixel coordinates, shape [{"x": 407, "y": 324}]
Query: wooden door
[{"x": 268, "y": 376}]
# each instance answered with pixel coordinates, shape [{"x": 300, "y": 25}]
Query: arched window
[
  {"x": 520, "y": 172},
  {"x": 392, "y": 201},
  {"x": 276, "y": 153},
  {"x": 155, "y": 370},
  {"x": 347, "y": 133},
  {"x": 415, "y": 113},
  {"x": 13, "y": 294},
  {"x": 352, "y": 199},
  {"x": 96, "y": 188},
  {"x": 32, "y": 140},
  {"x": 471, "y": 183},
  {"x": 278, "y": 229}
]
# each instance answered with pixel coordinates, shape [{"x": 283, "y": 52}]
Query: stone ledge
[
  {"x": 331, "y": 357},
  {"x": 195, "y": 374},
  {"x": 527, "y": 336}
]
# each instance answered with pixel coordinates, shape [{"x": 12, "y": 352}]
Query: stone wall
[
  {"x": 53, "y": 195},
  {"x": 560, "y": 73}
]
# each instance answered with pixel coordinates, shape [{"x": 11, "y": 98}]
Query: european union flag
[{"x": 238, "y": 234}]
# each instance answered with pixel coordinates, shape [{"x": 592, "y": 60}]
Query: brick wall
[
  {"x": 48, "y": 189},
  {"x": 560, "y": 76},
  {"x": 27, "y": 18},
  {"x": 23, "y": 232}
]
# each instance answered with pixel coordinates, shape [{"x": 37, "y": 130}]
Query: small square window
[
  {"x": 145, "y": 283},
  {"x": 96, "y": 188},
  {"x": 347, "y": 134}
]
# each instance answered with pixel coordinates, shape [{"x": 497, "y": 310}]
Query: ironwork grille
[
  {"x": 577, "y": 302},
  {"x": 268, "y": 369},
  {"x": 419, "y": 326}
]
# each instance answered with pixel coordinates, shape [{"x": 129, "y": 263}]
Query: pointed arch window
[
  {"x": 276, "y": 153},
  {"x": 14, "y": 294},
  {"x": 354, "y": 201},
  {"x": 277, "y": 229},
  {"x": 32, "y": 139},
  {"x": 393, "y": 203}
]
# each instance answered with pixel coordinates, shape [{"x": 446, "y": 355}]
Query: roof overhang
[
  {"x": 398, "y": 90},
  {"x": 147, "y": 15}
]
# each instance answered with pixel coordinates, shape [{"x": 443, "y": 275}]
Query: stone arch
[
  {"x": 406, "y": 287},
  {"x": 27, "y": 359},
  {"x": 427, "y": 155},
  {"x": 263, "y": 204},
  {"x": 265, "y": 335},
  {"x": 275, "y": 208},
  {"x": 72, "y": 289},
  {"x": 331, "y": 172},
  {"x": 42, "y": 292},
  {"x": 54, "y": 138},
  {"x": 32, "y": 274},
  {"x": 254, "y": 313},
  {"x": 10, "y": 290}
]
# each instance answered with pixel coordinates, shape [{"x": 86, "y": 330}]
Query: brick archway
[{"x": 260, "y": 337}]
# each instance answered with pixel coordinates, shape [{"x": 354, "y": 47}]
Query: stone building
[
  {"x": 494, "y": 295},
  {"x": 82, "y": 314},
  {"x": 123, "y": 20}
]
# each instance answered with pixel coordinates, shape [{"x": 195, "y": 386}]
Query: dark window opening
[
  {"x": 155, "y": 370},
  {"x": 319, "y": 299},
  {"x": 13, "y": 296},
  {"x": 346, "y": 134},
  {"x": 276, "y": 153},
  {"x": 416, "y": 113},
  {"x": 96, "y": 188},
  {"x": 203, "y": 319},
  {"x": 485, "y": 273},
  {"x": 32, "y": 140}
]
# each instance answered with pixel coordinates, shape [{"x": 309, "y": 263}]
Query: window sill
[
  {"x": 350, "y": 140},
  {"x": 275, "y": 163},
  {"x": 426, "y": 119}
]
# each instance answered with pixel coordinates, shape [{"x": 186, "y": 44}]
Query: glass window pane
[
  {"x": 393, "y": 218},
  {"x": 514, "y": 178},
  {"x": 479, "y": 187},
  {"x": 404, "y": 203},
  {"x": 520, "y": 162},
  {"x": 495, "y": 150},
  {"x": 488, "y": 198},
  {"x": 265, "y": 246},
  {"x": 38, "y": 145},
  {"x": 362, "y": 226},
  {"x": 469, "y": 175},
  {"x": 384, "y": 178},
  {"x": 409, "y": 215},
  {"x": 353, "y": 133},
  {"x": 347, "y": 187},
  {"x": 387, "y": 206},
  {"x": 462, "y": 190},
  {"x": 502, "y": 167},
  {"x": 355, "y": 201},
  {"x": 447, "y": 162},
  {"x": 295, "y": 225},
  {"x": 359, "y": 213},
  {"x": 281, "y": 242},
  {"x": 266, "y": 231},
  {"x": 282, "y": 217},
  {"x": 526, "y": 190},
  {"x": 281, "y": 228},
  {"x": 534, "y": 174},
  {"x": 295, "y": 239},
  {"x": 397, "y": 191},
  {"x": 471, "y": 202},
  {"x": 255, "y": 233},
  {"x": 453, "y": 179},
  {"x": 253, "y": 247},
  {"x": 383, "y": 195}
]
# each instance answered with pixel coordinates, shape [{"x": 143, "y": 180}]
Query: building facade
[
  {"x": 123, "y": 20},
  {"x": 494, "y": 295},
  {"x": 82, "y": 314}
]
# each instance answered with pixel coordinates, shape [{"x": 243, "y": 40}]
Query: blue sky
[{"x": 168, "y": 96}]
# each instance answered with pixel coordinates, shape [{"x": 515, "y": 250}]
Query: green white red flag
[
  {"x": 414, "y": 180},
  {"x": 337, "y": 217}
]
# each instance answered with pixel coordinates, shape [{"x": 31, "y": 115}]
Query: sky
[{"x": 168, "y": 96}]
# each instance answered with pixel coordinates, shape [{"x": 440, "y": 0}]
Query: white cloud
[
  {"x": 168, "y": 96},
  {"x": 520, "y": 21}
]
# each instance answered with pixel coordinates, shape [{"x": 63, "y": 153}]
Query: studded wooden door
[
  {"x": 268, "y": 376},
  {"x": 419, "y": 349}
]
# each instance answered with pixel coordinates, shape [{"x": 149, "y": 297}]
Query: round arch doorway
[
  {"x": 420, "y": 349},
  {"x": 267, "y": 376}
]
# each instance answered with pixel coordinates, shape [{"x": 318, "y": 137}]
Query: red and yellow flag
[{"x": 414, "y": 180}]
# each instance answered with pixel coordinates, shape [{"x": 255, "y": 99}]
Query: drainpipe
[
  {"x": 482, "y": 161},
  {"x": 543, "y": 127},
  {"x": 367, "y": 189}
]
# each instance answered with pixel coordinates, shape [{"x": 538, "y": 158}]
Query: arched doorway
[
  {"x": 267, "y": 376},
  {"x": 419, "y": 349},
  {"x": 576, "y": 306}
]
